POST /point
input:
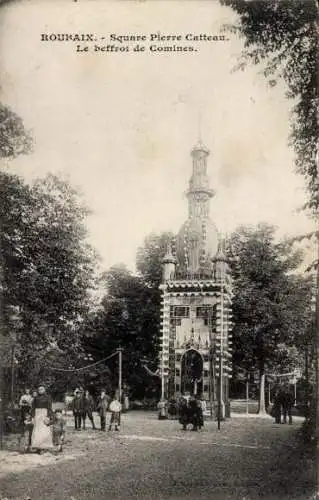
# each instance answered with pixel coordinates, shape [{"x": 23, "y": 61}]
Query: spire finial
[{"x": 169, "y": 257}]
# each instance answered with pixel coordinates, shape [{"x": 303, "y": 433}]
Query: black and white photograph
[{"x": 159, "y": 250}]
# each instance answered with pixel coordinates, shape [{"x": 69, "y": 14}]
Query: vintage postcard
[{"x": 159, "y": 208}]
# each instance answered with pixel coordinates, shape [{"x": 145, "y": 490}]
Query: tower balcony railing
[
  {"x": 205, "y": 275},
  {"x": 201, "y": 276}
]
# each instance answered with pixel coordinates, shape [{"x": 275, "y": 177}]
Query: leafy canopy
[
  {"x": 271, "y": 304},
  {"x": 47, "y": 267},
  {"x": 282, "y": 37}
]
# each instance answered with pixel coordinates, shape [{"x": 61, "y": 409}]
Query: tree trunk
[{"x": 262, "y": 406}]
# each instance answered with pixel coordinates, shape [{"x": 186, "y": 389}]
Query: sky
[{"x": 120, "y": 126}]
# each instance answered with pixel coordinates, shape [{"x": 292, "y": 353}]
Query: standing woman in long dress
[{"x": 42, "y": 413}]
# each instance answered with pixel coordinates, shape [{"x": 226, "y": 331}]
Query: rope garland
[
  {"x": 96, "y": 363},
  {"x": 73, "y": 370}
]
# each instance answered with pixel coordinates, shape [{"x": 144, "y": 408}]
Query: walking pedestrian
[
  {"x": 27, "y": 429},
  {"x": 288, "y": 400},
  {"x": 78, "y": 410},
  {"x": 103, "y": 404},
  {"x": 58, "y": 428},
  {"x": 42, "y": 414},
  {"x": 115, "y": 409},
  {"x": 195, "y": 413},
  {"x": 172, "y": 408},
  {"x": 183, "y": 411},
  {"x": 277, "y": 403},
  {"x": 88, "y": 407},
  {"x": 25, "y": 405}
]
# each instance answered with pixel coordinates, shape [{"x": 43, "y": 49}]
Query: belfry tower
[{"x": 196, "y": 301}]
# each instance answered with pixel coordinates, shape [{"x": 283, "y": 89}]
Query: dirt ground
[{"x": 148, "y": 459}]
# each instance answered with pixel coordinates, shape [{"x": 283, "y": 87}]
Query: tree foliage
[
  {"x": 48, "y": 269},
  {"x": 282, "y": 37},
  {"x": 271, "y": 304},
  {"x": 14, "y": 139},
  {"x": 129, "y": 317},
  {"x": 285, "y": 359},
  {"x": 149, "y": 258}
]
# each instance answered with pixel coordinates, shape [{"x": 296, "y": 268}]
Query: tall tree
[
  {"x": 282, "y": 37},
  {"x": 270, "y": 304},
  {"x": 14, "y": 141},
  {"x": 48, "y": 268}
]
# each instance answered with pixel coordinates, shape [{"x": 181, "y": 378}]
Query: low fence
[{"x": 242, "y": 406}]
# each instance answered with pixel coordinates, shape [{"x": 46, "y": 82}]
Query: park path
[{"x": 149, "y": 459}]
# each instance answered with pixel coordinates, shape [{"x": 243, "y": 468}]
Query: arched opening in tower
[{"x": 192, "y": 373}]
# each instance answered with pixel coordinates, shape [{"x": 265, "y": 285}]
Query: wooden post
[
  {"x": 12, "y": 374},
  {"x": 120, "y": 373},
  {"x": 162, "y": 378},
  {"x": 307, "y": 381},
  {"x": 247, "y": 395},
  {"x": 269, "y": 394}
]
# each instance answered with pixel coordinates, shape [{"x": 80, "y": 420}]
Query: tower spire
[{"x": 199, "y": 191}]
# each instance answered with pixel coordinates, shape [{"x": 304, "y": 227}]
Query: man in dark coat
[
  {"x": 88, "y": 407},
  {"x": 183, "y": 413},
  {"x": 102, "y": 406},
  {"x": 288, "y": 400},
  {"x": 276, "y": 409},
  {"x": 78, "y": 410},
  {"x": 195, "y": 414}
]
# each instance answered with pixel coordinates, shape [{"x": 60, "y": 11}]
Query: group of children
[{"x": 83, "y": 406}]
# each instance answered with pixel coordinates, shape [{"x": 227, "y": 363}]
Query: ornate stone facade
[{"x": 196, "y": 300}]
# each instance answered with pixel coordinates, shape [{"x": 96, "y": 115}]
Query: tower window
[
  {"x": 205, "y": 388},
  {"x": 179, "y": 311},
  {"x": 176, "y": 322},
  {"x": 206, "y": 311},
  {"x": 177, "y": 387}
]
